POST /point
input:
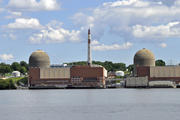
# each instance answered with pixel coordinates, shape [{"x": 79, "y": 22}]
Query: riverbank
[{"x": 13, "y": 83}]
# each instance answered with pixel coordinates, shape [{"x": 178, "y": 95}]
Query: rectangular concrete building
[
  {"x": 88, "y": 76},
  {"x": 63, "y": 77},
  {"x": 162, "y": 73},
  {"x": 49, "y": 77}
]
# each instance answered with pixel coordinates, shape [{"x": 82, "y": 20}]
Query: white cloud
[
  {"x": 6, "y": 57},
  {"x": 103, "y": 47},
  {"x": 136, "y": 3},
  {"x": 16, "y": 13},
  {"x": 13, "y": 14},
  {"x": 55, "y": 34},
  {"x": 34, "y": 5},
  {"x": 94, "y": 42},
  {"x": 23, "y": 23},
  {"x": 163, "y": 45},
  {"x": 9, "y": 35},
  {"x": 172, "y": 29},
  {"x": 132, "y": 20}
]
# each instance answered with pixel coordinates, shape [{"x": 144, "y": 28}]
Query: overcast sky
[{"x": 119, "y": 29}]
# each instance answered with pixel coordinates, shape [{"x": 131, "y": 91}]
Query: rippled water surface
[{"x": 90, "y": 104}]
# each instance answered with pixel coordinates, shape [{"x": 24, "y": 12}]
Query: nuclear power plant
[
  {"x": 145, "y": 73},
  {"x": 42, "y": 75}
]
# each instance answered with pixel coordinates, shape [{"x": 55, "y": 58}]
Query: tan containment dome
[
  {"x": 39, "y": 59},
  {"x": 144, "y": 57}
]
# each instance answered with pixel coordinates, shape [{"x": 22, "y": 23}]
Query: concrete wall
[
  {"x": 163, "y": 73},
  {"x": 105, "y": 72},
  {"x": 137, "y": 82},
  {"x": 167, "y": 71},
  {"x": 158, "y": 84},
  {"x": 54, "y": 73}
]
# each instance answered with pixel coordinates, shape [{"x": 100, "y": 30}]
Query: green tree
[
  {"x": 4, "y": 68},
  {"x": 15, "y": 66},
  {"x": 130, "y": 67},
  {"x": 160, "y": 63},
  {"x": 24, "y": 64},
  {"x": 108, "y": 65},
  {"x": 119, "y": 66},
  {"x": 23, "y": 70}
]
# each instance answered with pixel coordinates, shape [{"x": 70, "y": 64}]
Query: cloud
[
  {"x": 23, "y": 23},
  {"x": 172, "y": 29},
  {"x": 13, "y": 14},
  {"x": 34, "y": 5},
  {"x": 132, "y": 20},
  {"x": 163, "y": 45},
  {"x": 6, "y": 57},
  {"x": 55, "y": 34},
  {"x": 95, "y": 42},
  {"x": 9, "y": 35},
  {"x": 102, "y": 47}
]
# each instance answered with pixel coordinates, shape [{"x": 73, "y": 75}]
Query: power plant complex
[
  {"x": 145, "y": 73},
  {"x": 42, "y": 75}
]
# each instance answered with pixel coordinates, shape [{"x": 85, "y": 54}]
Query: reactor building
[
  {"x": 146, "y": 73},
  {"x": 42, "y": 75}
]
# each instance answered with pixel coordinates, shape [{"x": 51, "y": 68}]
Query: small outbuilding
[
  {"x": 16, "y": 74},
  {"x": 119, "y": 73}
]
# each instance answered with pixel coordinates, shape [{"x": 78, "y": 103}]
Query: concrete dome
[
  {"x": 144, "y": 57},
  {"x": 39, "y": 59}
]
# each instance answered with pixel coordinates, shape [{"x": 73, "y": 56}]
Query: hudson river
[{"x": 90, "y": 104}]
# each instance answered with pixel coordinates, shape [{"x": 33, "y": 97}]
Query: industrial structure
[
  {"x": 145, "y": 73},
  {"x": 155, "y": 76},
  {"x": 42, "y": 75}
]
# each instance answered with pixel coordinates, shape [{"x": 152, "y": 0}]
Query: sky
[{"x": 119, "y": 28}]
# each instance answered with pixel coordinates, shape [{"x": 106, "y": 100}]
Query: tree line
[{"x": 15, "y": 66}]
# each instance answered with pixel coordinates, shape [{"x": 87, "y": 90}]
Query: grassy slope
[{"x": 10, "y": 83}]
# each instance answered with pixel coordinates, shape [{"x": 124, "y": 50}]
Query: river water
[{"x": 90, "y": 104}]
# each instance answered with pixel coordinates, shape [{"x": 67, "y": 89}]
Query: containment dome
[
  {"x": 39, "y": 59},
  {"x": 144, "y": 57}
]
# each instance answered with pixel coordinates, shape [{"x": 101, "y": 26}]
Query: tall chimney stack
[{"x": 89, "y": 48}]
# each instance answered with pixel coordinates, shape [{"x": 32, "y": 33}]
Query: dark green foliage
[
  {"x": 11, "y": 83},
  {"x": 160, "y": 63},
  {"x": 5, "y": 68},
  {"x": 15, "y": 66},
  {"x": 4, "y": 84},
  {"x": 119, "y": 66},
  {"x": 130, "y": 67},
  {"x": 24, "y": 64},
  {"x": 7, "y": 84},
  {"x": 23, "y": 70},
  {"x": 77, "y": 63},
  {"x": 23, "y": 81}
]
